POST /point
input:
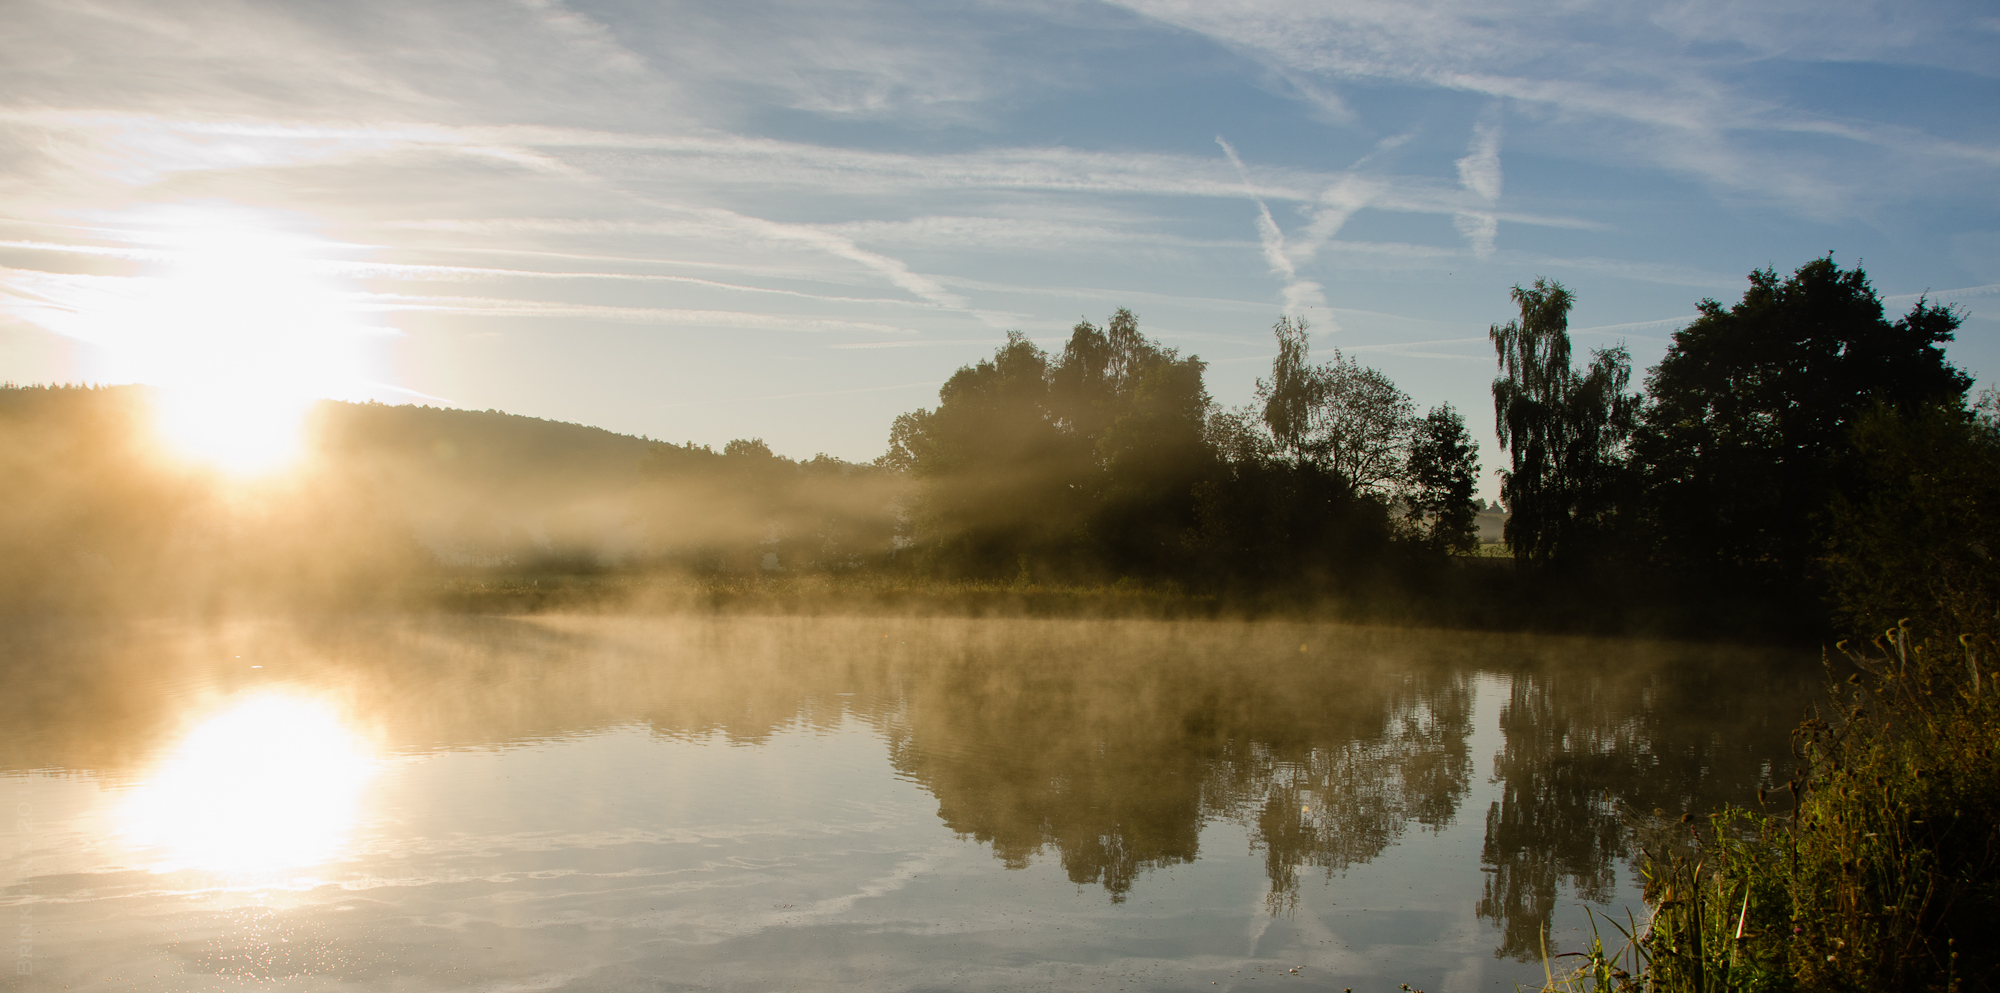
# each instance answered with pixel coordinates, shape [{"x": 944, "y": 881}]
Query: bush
[
  {"x": 1918, "y": 523},
  {"x": 1883, "y": 874}
]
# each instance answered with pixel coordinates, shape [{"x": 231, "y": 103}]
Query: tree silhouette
[
  {"x": 1084, "y": 465},
  {"x": 1752, "y": 409},
  {"x": 1564, "y": 430},
  {"x": 1340, "y": 415},
  {"x": 1442, "y": 474}
]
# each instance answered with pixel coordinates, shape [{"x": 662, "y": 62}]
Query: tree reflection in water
[
  {"x": 1114, "y": 754},
  {"x": 1108, "y": 744},
  {"x": 1590, "y": 753},
  {"x": 1334, "y": 804}
]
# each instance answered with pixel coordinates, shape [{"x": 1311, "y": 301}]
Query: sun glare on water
[
  {"x": 274, "y": 783},
  {"x": 240, "y": 327}
]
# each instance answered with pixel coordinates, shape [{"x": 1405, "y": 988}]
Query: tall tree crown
[
  {"x": 1565, "y": 430},
  {"x": 1753, "y": 407}
]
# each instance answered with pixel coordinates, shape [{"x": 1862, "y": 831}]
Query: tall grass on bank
[{"x": 1881, "y": 868}]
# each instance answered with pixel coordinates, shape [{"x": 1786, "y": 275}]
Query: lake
[{"x": 799, "y": 803}]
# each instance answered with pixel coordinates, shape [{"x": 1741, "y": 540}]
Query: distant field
[{"x": 1491, "y": 524}]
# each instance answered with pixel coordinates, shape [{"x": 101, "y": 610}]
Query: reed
[{"x": 1880, "y": 867}]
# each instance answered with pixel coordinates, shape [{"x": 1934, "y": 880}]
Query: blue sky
[{"x": 794, "y": 219}]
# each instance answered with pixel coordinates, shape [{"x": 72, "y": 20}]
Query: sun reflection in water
[{"x": 273, "y": 783}]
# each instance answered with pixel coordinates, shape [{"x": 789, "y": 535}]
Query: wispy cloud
[
  {"x": 1023, "y": 231},
  {"x": 667, "y": 316},
  {"x": 575, "y": 156},
  {"x": 403, "y": 271},
  {"x": 1631, "y": 329},
  {"x": 810, "y": 393},
  {"x": 1947, "y": 296},
  {"x": 1479, "y": 170},
  {"x": 1299, "y": 294},
  {"x": 1479, "y": 174},
  {"x": 174, "y": 145},
  {"x": 1680, "y": 85}
]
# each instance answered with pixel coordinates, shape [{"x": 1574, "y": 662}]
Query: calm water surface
[{"x": 815, "y": 804}]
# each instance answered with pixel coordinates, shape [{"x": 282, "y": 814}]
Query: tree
[
  {"x": 1341, "y": 416},
  {"x": 1442, "y": 474},
  {"x": 1363, "y": 424},
  {"x": 1087, "y": 463},
  {"x": 747, "y": 448},
  {"x": 1154, "y": 454},
  {"x": 1292, "y": 390},
  {"x": 1913, "y": 532},
  {"x": 1137, "y": 413},
  {"x": 1752, "y": 409},
  {"x": 1097, "y": 367},
  {"x": 1299, "y": 500},
  {"x": 990, "y": 463},
  {"x": 1565, "y": 431}
]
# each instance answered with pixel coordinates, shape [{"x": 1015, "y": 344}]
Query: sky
[{"x": 793, "y": 220}]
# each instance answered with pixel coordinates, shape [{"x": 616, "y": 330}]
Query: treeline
[
  {"x": 1796, "y": 459},
  {"x": 1793, "y": 452},
  {"x": 1110, "y": 461}
]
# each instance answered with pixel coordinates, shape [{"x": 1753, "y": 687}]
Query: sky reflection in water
[{"x": 825, "y": 803}]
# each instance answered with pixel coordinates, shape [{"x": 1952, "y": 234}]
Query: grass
[{"x": 1880, "y": 869}]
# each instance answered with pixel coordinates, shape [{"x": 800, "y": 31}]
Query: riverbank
[{"x": 1877, "y": 867}]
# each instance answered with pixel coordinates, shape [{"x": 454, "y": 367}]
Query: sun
[
  {"x": 273, "y": 783},
  {"x": 241, "y": 323}
]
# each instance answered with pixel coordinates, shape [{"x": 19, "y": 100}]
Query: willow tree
[
  {"x": 1564, "y": 429},
  {"x": 1291, "y": 391}
]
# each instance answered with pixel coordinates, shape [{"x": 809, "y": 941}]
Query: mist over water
[{"x": 753, "y": 803}]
